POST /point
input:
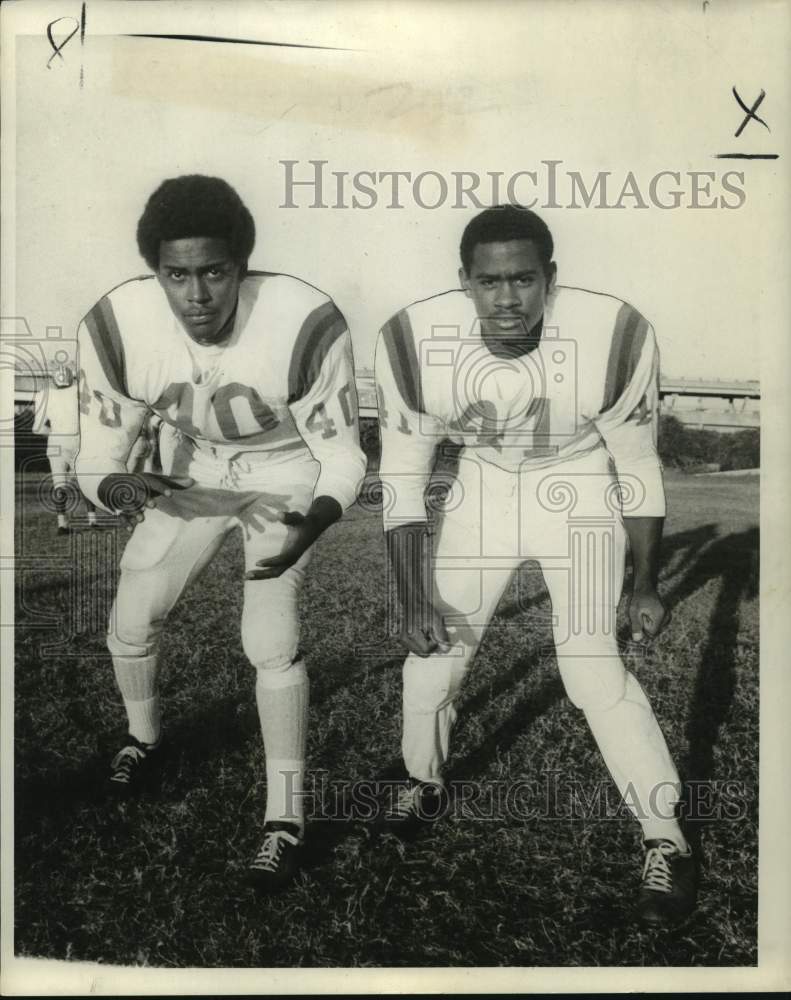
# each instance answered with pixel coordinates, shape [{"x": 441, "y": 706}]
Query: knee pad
[
  {"x": 133, "y": 631},
  {"x": 270, "y": 650},
  {"x": 593, "y": 683},
  {"x": 432, "y": 683},
  {"x": 280, "y": 673},
  {"x": 270, "y": 630}
]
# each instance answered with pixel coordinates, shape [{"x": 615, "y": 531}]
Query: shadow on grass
[
  {"x": 528, "y": 707},
  {"x": 691, "y": 559},
  {"x": 332, "y": 678},
  {"x": 733, "y": 559},
  {"x": 42, "y": 794}
]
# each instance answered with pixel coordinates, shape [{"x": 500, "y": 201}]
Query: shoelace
[
  {"x": 269, "y": 855},
  {"x": 656, "y": 871},
  {"x": 123, "y": 762},
  {"x": 406, "y": 800}
]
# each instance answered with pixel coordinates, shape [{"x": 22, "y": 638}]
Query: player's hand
[
  {"x": 425, "y": 635},
  {"x": 302, "y": 533},
  {"x": 129, "y": 494},
  {"x": 647, "y": 614}
]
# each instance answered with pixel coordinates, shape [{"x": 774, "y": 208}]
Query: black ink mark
[
  {"x": 58, "y": 47},
  {"x": 747, "y": 156},
  {"x": 57, "y": 50},
  {"x": 236, "y": 41},
  {"x": 750, "y": 112},
  {"x": 82, "y": 44}
]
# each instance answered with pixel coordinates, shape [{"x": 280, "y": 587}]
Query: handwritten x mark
[
  {"x": 750, "y": 112},
  {"x": 58, "y": 47}
]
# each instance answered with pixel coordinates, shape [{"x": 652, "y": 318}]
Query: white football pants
[
  {"x": 567, "y": 519},
  {"x": 180, "y": 536}
]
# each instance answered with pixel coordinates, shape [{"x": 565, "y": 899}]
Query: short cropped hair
[
  {"x": 194, "y": 205},
  {"x": 504, "y": 223}
]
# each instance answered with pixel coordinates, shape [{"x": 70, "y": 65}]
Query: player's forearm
[
  {"x": 645, "y": 539},
  {"x": 409, "y": 554}
]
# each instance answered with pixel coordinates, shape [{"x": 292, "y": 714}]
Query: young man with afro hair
[{"x": 252, "y": 376}]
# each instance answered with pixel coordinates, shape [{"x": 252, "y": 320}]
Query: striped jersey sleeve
[
  {"x": 629, "y": 414},
  {"x": 408, "y": 432},
  {"x": 110, "y": 420},
  {"x": 323, "y": 402}
]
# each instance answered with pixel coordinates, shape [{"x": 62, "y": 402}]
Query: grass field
[{"x": 157, "y": 882}]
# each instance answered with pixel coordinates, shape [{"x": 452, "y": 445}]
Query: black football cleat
[
  {"x": 63, "y": 530},
  {"x": 413, "y": 808},
  {"x": 670, "y": 883},
  {"x": 278, "y": 860},
  {"x": 135, "y": 768}
]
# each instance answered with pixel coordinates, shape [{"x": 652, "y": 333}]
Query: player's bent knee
[
  {"x": 269, "y": 650},
  {"x": 280, "y": 672},
  {"x": 136, "y": 622},
  {"x": 593, "y": 684},
  {"x": 132, "y": 650}
]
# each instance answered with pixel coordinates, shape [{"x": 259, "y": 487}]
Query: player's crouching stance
[
  {"x": 253, "y": 375},
  {"x": 543, "y": 385}
]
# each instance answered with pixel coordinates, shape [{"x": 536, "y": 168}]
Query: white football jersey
[
  {"x": 281, "y": 386},
  {"x": 591, "y": 382}
]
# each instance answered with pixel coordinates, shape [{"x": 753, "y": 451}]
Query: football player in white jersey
[
  {"x": 553, "y": 392},
  {"x": 57, "y": 417},
  {"x": 253, "y": 374}
]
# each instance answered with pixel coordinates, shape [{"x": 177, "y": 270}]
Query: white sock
[
  {"x": 62, "y": 521},
  {"x": 285, "y": 786},
  {"x": 282, "y": 699},
  {"x": 136, "y": 677},
  {"x": 145, "y": 719}
]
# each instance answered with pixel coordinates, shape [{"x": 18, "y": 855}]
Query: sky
[{"x": 440, "y": 89}]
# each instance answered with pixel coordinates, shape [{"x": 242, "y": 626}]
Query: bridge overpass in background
[{"x": 711, "y": 404}]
